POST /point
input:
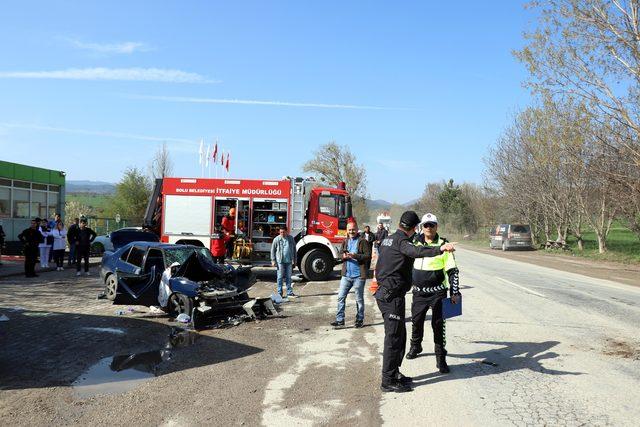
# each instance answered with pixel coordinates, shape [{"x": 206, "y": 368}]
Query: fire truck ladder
[{"x": 297, "y": 207}]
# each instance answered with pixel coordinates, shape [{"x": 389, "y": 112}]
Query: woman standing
[
  {"x": 59, "y": 235},
  {"x": 44, "y": 247}
]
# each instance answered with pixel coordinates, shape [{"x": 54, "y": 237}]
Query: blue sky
[{"x": 93, "y": 87}]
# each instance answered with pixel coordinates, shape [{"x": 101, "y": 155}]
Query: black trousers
[
  {"x": 30, "y": 259},
  {"x": 82, "y": 252},
  {"x": 419, "y": 308},
  {"x": 218, "y": 259},
  {"x": 395, "y": 336},
  {"x": 58, "y": 256}
]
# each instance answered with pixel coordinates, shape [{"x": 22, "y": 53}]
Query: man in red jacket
[
  {"x": 229, "y": 229},
  {"x": 219, "y": 246}
]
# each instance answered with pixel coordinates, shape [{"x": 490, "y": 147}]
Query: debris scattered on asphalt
[
  {"x": 4, "y": 318},
  {"x": 183, "y": 318},
  {"x": 155, "y": 310}
]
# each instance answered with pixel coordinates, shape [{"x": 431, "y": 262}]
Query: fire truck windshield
[{"x": 333, "y": 205}]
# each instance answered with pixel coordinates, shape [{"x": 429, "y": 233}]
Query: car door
[{"x": 139, "y": 286}]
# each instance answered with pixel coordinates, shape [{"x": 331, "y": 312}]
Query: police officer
[
  {"x": 393, "y": 273},
  {"x": 430, "y": 276}
]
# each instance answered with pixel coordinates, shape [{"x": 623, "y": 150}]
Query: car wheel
[
  {"x": 180, "y": 303},
  {"x": 111, "y": 287},
  {"x": 317, "y": 265},
  {"x": 97, "y": 249},
  {"x": 504, "y": 246}
]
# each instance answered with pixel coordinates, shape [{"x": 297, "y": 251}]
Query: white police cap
[{"x": 429, "y": 217}]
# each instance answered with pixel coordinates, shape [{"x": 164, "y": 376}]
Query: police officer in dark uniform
[
  {"x": 31, "y": 238},
  {"x": 393, "y": 273}
]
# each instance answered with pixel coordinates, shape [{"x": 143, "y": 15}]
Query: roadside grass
[
  {"x": 98, "y": 202},
  {"x": 622, "y": 245}
]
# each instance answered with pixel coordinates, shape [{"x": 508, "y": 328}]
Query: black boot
[
  {"x": 414, "y": 351},
  {"x": 404, "y": 379},
  {"x": 395, "y": 385},
  {"x": 441, "y": 364}
]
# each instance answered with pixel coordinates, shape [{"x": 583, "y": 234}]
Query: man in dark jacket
[
  {"x": 393, "y": 273},
  {"x": 31, "y": 238},
  {"x": 381, "y": 234},
  {"x": 356, "y": 255},
  {"x": 72, "y": 233},
  {"x": 83, "y": 245},
  {"x": 370, "y": 238}
]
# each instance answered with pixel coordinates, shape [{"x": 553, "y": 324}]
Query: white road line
[{"x": 521, "y": 287}]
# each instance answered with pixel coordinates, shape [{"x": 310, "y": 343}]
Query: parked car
[
  {"x": 118, "y": 238},
  {"x": 511, "y": 236},
  {"x": 132, "y": 276}
]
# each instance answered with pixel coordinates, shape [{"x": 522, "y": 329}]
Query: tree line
[{"x": 572, "y": 160}]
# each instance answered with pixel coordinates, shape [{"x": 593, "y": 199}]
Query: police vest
[{"x": 429, "y": 274}]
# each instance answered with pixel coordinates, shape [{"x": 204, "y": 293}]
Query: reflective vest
[{"x": 429, "y": 274}]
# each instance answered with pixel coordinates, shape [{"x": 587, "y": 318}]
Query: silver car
[{"x": 511, "y": 236}]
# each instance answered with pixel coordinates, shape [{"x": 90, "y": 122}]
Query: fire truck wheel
[
  {"x": 316, "y": 265},
  {"x": 179, "y": 303}
]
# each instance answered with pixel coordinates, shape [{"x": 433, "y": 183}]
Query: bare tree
[
  {"x": 161, "y": 164},
  {"x": 332, "y": 164}
]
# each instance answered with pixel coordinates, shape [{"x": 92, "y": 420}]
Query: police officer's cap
[{"x": 409, "y": 220}]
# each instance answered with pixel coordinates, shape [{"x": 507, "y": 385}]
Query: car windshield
[
  {"x": 180, "y": 254},
  {"x": 520, "y": 229}
]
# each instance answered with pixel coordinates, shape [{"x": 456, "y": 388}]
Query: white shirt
[{"x": 59, "y": 239}]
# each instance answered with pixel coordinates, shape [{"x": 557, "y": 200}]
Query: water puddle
[{"x": 122, "y": 373}]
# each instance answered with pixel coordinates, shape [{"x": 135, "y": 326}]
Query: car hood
[{"x": 209, "y": 275}]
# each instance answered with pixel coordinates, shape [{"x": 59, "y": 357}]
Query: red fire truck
[{"x": 186, "y": 210}]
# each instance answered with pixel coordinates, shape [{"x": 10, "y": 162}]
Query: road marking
[{"x": 521, "y": 287}]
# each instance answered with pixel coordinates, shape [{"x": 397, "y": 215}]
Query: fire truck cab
[{"x": 188, "y": 210}]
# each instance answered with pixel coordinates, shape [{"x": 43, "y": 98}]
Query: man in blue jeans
[
  {"x": 356, "y": 255},
  {"x": 283, "y": 254}
]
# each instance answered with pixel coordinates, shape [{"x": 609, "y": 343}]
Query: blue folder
[{"x": 450, "y": 309}]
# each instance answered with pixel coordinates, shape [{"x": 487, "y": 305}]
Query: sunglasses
[{"x": 429, "y": 224}]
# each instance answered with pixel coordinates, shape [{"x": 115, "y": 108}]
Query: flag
[
  {"x": 227, "y": 166},
  {"x": 222, "y": 159},
  {"x": 215, "y": 152},
  {"x": 206, "y": 159},
  {"x": 201, "y": 152}
]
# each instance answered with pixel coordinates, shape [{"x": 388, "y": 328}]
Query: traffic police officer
[
  {"x": 430, "y": 277},
  {"x": 393, "y": 273}
]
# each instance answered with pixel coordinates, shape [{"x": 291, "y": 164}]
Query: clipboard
[{"x": 450, "y": 309}]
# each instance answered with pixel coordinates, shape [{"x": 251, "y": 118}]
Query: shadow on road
[
  {"x": 510, "y": 356},
  {"x": 45, "y": 349}
]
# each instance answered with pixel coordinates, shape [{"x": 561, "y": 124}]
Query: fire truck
[{"x": 187, "y": 211}]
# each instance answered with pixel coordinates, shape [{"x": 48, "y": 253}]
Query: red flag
[
  {"x": 222, "y": 159},
  {"x": 215, "y": 152},
  {"x": 227, "y": 167}
]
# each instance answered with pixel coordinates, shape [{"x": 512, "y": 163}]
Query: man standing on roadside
[
  {"x": 31, "y": 238},
  {"x": 430, "y": 276},
  {"x": 356, "y": 255},
  {"x": 370, "y": 238},
  {"x": 83, "y": 245},
  {"x": 381, "y": 234},
  {"x": 72, "y": 234},
  {"x": 393, "y": 272},
  {"x": 283, "y": 255}
]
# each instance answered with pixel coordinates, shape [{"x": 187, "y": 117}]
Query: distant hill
[
  {"x": 96, "y": 187},
  {"x": 378, "y": 205}
]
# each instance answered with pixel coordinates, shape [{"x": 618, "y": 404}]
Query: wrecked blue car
[{"x": 177, "y": 278}]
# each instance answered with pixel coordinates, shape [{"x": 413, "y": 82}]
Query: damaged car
[{"x": 177, "y": 278}]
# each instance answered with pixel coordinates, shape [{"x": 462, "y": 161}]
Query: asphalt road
[{"x": 535, "y": 346}]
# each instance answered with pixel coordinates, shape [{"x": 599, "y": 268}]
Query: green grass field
[
  {"x": 98, "y": 202},
  {"x": 622, "y": 245}
]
